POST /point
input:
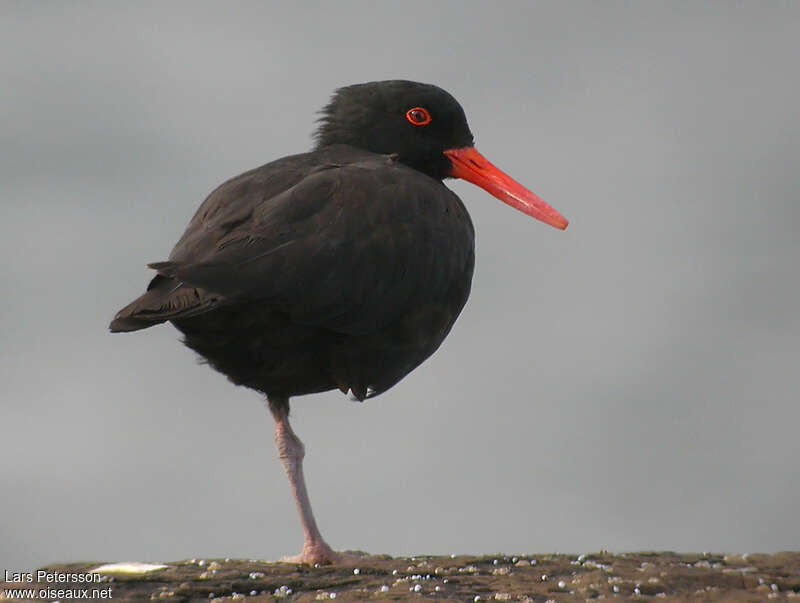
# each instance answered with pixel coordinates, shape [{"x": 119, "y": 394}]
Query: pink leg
[{"x": 291, "y": 452}]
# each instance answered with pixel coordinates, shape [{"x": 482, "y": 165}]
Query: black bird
[{"x": 344, "y": 267}]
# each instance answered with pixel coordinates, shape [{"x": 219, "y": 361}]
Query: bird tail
[{"x": 166, "y": 299}]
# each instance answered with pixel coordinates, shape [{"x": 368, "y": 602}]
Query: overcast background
[{"x": 631, "y": 383}]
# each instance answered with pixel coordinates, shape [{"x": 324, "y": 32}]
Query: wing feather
[{"x": 347, "y": 247}]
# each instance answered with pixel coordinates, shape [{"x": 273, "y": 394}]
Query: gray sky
[{"x": 630, "y": 383}]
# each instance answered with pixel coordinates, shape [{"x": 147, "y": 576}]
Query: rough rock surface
[{"x": 660, "y": 576}]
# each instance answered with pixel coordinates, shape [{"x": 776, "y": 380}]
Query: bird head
[{"x": 426, "y": 128}]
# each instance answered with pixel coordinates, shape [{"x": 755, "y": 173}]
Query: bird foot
[{"x": 321, "y": 554}]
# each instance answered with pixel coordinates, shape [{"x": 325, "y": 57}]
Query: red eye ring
[{"x": 418, "y": 116}]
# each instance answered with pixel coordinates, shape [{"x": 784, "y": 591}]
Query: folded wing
[{"x": 346, "y": 247}]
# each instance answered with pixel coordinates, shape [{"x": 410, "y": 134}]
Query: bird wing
[
  {"x": 226, "y": 211},
  {"x": 348, "y": 247}
]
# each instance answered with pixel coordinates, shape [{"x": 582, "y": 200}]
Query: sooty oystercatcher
[{"x": 344, "y": 267}]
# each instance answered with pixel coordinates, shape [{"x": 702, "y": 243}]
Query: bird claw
[{"x": 321, "y": 554}]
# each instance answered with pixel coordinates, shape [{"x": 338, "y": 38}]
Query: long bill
[{"x": 470, "y": 165}]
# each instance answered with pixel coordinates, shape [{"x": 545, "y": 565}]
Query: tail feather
[{"x": 166, "y": 299}]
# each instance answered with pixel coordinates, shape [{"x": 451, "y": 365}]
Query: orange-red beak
[{"x": 470, "y": 165}]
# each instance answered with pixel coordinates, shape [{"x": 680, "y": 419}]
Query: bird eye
[{"x": 418, "y": 116}]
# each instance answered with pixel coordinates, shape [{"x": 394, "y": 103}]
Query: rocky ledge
[{"x": 641, "y": 576}]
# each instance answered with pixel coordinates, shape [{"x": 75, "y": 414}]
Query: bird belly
[{"x": 266, "y": 350}]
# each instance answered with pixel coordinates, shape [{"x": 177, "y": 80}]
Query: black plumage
[{"x": 335, "y": 268}]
